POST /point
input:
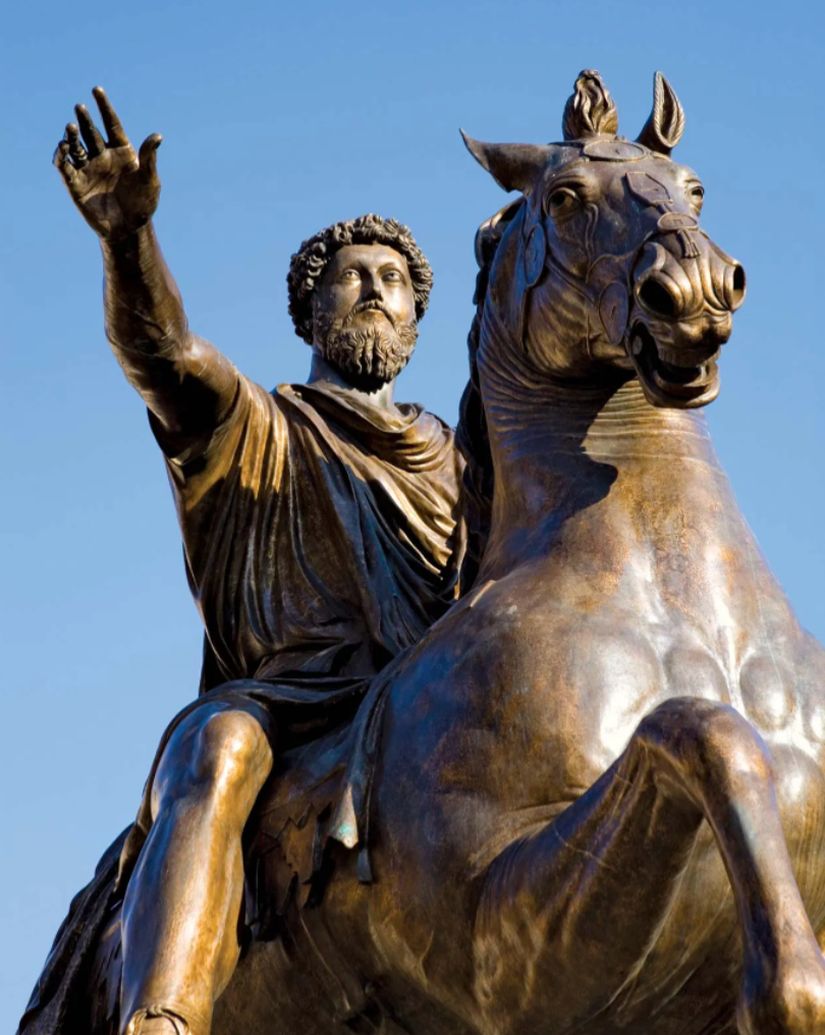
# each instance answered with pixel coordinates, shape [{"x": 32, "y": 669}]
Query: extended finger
[
  {"x": 95, "y": 144},
  {"x": 64, "y": 163},
  {"x": 148, "y": 156},
  {"x": 77, "y": 152},
  {"x": 111, "y": 123}
]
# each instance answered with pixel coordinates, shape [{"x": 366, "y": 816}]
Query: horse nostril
[
  {"x": 736, "y": 287},
  {"x": 656, "y": 298}
]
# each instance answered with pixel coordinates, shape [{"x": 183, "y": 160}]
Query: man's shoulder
[
  {"x": 428, "y": 424},
  {"x": 429, "y": 418}
]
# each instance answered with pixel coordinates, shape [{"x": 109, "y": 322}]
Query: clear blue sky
[{"x": 278, "y": 119}]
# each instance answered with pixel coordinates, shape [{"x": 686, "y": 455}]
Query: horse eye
[
  {"x": 698, "y": 194},
  {"x": 561, "y": 201}
]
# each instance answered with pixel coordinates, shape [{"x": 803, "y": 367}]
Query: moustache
[{"x": 365, "y": 307}]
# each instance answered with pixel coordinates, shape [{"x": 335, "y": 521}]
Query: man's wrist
[{"x": 128, "y": 243}]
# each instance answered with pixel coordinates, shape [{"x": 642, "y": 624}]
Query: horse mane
[{"x": 472, "y": 438}]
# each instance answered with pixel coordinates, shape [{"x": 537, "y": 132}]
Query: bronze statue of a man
[{"x": 321, "y": 537}]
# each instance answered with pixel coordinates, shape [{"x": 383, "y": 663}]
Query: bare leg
[
  {"x": 567, "y": 914},
  {"x": 183, "y": 901}
]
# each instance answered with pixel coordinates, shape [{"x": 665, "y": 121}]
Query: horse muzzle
[{"x": 685, "y": 290}]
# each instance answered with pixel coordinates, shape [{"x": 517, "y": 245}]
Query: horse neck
[{"x": 567, "y": 455}]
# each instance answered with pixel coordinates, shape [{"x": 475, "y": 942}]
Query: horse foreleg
[{"x": 568, "y": 915}]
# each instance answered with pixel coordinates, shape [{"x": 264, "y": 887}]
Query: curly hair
[{"x": 308, "y": 263}]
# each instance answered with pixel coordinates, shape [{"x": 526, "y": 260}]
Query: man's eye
[
  {"x": 350, "y": 275},
  {"x": 393, "y": 276}
]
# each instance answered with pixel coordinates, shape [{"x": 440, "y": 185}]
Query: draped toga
[{"x": 320, "y": 531}]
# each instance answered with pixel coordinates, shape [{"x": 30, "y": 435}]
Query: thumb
[{"x": 148, "y": 156}]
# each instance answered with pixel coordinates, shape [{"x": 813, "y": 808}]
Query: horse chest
[{"x": 568, "y": 688}]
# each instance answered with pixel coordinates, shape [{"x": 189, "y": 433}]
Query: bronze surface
[{"x": 595, "y": 800}]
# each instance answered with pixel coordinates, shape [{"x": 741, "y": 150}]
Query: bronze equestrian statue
[{"x": 591, "y": 799}]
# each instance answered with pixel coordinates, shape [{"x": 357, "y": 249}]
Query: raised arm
[{"x": 186, "y": 383}]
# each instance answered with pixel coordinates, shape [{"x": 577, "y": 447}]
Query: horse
[{"x": 597, "y": 801}]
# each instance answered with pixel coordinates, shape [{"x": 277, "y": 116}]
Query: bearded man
[{"x": 320, "y": 534}]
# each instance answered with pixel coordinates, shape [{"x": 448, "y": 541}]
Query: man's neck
[{"x": 321, "y": 370}]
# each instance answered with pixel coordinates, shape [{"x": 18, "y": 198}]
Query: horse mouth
[{"x": 673, "y": 377}]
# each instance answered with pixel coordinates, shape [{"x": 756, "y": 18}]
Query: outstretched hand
[{"x": 115, "y": 188}]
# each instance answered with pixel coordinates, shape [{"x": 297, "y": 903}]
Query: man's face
[{"x": 364, "y": 314}]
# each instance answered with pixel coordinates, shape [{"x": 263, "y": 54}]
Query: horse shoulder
[{"x": 521, "y": 700}]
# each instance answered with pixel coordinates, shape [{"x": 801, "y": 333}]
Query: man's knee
[{"x": 215, "y": 751}]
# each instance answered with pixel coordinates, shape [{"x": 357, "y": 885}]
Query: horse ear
[
  {"x": 664, "y": 129},
  {"x": 512, "y": 166}
]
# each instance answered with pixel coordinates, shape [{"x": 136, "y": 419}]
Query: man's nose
[{"x": 371, "y": 286}]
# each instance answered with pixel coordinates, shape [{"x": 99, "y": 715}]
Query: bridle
[{"x": 608, "y": 283}]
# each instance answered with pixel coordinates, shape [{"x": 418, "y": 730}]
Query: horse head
[{"x": 601, "y": 269}]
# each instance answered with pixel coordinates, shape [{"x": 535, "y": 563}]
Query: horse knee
[
  {"x": 707, "y": 739},
  {"x": 791, "y": 1003},
  {"x": 218, "y": 753}
]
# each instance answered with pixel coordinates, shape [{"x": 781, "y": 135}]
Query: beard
[{"x": 368, "y": 357}]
